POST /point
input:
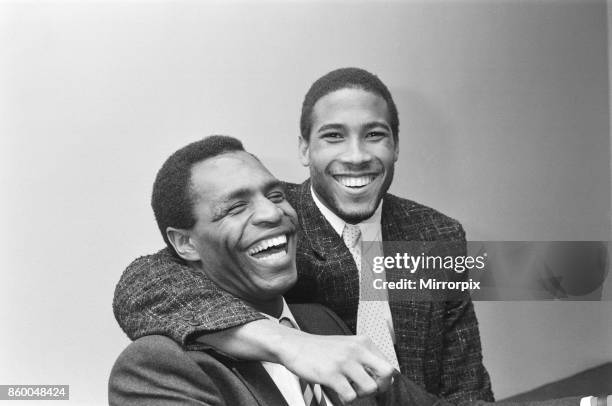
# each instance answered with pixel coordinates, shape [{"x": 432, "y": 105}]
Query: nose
[
  {"x": 356, "y": 151},
  {"x": 266, "y": 212}
]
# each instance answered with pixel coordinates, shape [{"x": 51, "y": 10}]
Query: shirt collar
[
  {"x": 370, "y": 227},
  {"x": 286, "y": 313}
]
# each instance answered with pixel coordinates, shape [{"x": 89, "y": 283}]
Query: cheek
[
  {"x": 386, "y": 153},
  {"x": 288, "y": 211},
  {"x": 321, "y": 156},
  {"x": 228, "y": 238}
]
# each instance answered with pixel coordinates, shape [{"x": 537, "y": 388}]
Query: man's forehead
[
  {"x": 347, "y": 100},
  {"x": 229, "y": 173}
]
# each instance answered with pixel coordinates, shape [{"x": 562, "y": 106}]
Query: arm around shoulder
[{"x": 160, "y": 294}]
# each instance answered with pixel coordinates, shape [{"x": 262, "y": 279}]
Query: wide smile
[
  {"x": 271, "y": 251},
  {"x": 356, "y": 183}
]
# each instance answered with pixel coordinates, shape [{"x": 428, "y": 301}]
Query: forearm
[
  {"x": 160, "y": 295},
  {"x": 259, "y": 340},
  {"x": 349, "y": 365}
]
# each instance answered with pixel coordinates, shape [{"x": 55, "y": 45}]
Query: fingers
[
  {"x": 363, "y": 383},
  {"x": 352, "y": 366},
  {"x": 377, "y": 366},
  {"x": 354, "y": 383},
  {"x": 368, "y": 373},
  {"x": 344, "y": 390}
]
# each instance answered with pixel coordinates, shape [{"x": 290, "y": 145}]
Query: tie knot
[{"x": 351, "y": 235}]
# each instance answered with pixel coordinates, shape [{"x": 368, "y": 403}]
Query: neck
[{"x": 272, "y": 307}]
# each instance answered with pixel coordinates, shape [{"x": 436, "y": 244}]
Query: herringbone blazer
[{"x": 437, "y": 343}]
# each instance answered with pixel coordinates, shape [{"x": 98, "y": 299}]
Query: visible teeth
[
  {"x": 272, "y": 256},
  {"x": 270, "y": 242},
  {"x": 355, "y": 181}
]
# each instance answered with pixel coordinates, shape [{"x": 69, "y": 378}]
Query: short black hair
[
  {"x": 172, "y": 197},
  {"x": 346, "y": 78}
]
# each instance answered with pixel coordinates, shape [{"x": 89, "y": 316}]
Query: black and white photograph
[{"x": 306, "y": 202}]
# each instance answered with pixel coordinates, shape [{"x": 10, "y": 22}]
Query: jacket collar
[
  {"x": 309, "y": 325},
  {"x": 322, "y": 237},
  {"x": 317, "y": 231}
]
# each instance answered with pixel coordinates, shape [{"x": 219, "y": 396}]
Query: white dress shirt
[
  {"x": 286, "y": 381},
  {"x": 371, "y": 230}
]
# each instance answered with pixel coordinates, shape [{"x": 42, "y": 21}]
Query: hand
[{"x": 352, "y": 366}]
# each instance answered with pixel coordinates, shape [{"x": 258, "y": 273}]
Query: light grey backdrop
[{"x": 504, "y": 125}]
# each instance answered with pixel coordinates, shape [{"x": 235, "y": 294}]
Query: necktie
[
  {"x": 312, "y": 393},
  {"x": 370, "y": 321}
]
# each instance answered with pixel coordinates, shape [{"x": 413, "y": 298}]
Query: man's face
[
  {"x": 351, "y": 152},
  {"x": 245, "y": 229}
]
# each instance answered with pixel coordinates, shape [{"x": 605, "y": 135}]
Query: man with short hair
[
  {"x": 349, "y": 140},
  {"x": 221, "y": 211},
  {"x": 225, "y": 215}
]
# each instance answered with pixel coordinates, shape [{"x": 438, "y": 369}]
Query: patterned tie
[
  {"x": 313, "y": 395},
  {"x": 370, "y": 320}
]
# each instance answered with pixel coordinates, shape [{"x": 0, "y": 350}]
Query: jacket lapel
[
  {"x": 320, "y": 324},
  {"x": 317, "y": 231},
  {"x": 326, "y": 268},
  {"x": 257, "y": 380}
]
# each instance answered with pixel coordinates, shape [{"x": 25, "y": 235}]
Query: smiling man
[
  {"x": 248, "y": 253},
  {"x": 350, "y": 142},
  {"x": 351, "y": 150},
  {"x": 222, "y": 213}
]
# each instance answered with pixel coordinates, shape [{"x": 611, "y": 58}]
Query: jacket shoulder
[
  {"x": 293, "y": 191},
  {"x": 154, "y": 370},
  {"x": 430, "y": 223},
  {"x": 150, "y": 351}
]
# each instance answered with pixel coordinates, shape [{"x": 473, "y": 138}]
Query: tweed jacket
[
  {"x": 156, "y": 370},
  {"x": 437, "y": 343}
]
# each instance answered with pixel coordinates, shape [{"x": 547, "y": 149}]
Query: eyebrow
[
  {"x": 219, "y": 204},
  {"x": 375, "y": 124},
  {"x": 325, "y": 127},
  {"x": 368, "y": 126}
]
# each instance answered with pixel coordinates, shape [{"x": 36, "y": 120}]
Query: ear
[
  {"x": 304, "y": 151},
  {"x": 396, "y": 151},
  {"x": 182, "y": 243}
]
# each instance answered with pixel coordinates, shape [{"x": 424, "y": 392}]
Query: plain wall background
[{"x": 504, "y": 111}]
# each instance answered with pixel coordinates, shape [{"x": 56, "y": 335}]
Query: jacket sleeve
[
  {"x": 159, "y": 294},
  {"x": 464, "y": 377},
  {"x": 155, "y": 371}
]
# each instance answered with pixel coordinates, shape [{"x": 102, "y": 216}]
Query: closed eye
[
  {"x": 276, "y": 197},
  {"x": 236, "y": 208}
]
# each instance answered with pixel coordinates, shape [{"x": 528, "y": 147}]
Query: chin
[
  {"x": 287, "y": 282},
  {"x": 355, "y": 213},
  {"x": 280, "y": 284}
]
